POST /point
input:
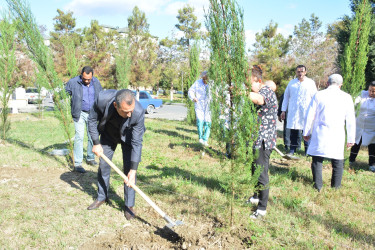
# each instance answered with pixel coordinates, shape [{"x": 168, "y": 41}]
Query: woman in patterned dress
[{"x": 263, "y": 96}]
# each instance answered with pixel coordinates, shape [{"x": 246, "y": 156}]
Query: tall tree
[
  {"x": 98, "y": 49},
  {"x": 188, "y": 24},
  {"x": 64, "y": 22},
  {"x": 228, "y": 70},
  {"x": 123, "y": 63},
  {"x": 342, "y": 30},
  {"x": 355, "y": 55},
  {"x": 271, "y": 51},
  {"x": 193, "y": 76},
  {"x": 64, "y": 41},
  {"x": 143, "y": 51},
  {"x": 137, "y": 22},
  {"x": 43, "y": 58},
  {"x": 314, "y": 49},
  {"x": 8, "y": 68}
]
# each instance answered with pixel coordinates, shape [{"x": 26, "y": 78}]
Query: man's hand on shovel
[
  {"x": 131, "y": 178},
  {"x": 97, "y": 150}
]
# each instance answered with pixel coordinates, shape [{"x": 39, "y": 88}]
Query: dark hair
[
  {"x": 124, "y": 95},
  {"x": 257, "y": 71},
  {"x": 372, "y": 84},
  {"x": 301, "y": 66},
  {"x": 87, "y": 70}
]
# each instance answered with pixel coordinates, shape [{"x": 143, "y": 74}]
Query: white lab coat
[
  {"x": 365, "y": 120},
  {"x": 328, "y": 113},
  {"x": 201, "y": 91},
  {"x": 297, "y": 97}
]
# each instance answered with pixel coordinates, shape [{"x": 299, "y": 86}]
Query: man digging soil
[{"x": 119, "y": 119}]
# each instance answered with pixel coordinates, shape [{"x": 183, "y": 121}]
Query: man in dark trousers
[
  {"x": 83, "y": 89},
  {"x": 119, "y": 119}
]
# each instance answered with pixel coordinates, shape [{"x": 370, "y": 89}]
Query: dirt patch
[
  {"x": 106, "y": 227},
  {"x": 139, "y": 234}
]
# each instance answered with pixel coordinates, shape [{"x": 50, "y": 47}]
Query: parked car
[
  {"x": 32, "y": 95},
  {"x": 149, "y": 103}
]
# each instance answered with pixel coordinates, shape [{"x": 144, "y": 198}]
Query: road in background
[{"x": 170, "y": 111}]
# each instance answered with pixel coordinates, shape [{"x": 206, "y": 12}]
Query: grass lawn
[{"x": 43, "y": 203}]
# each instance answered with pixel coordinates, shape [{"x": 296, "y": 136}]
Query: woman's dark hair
[{"x": 257, "y": 72}]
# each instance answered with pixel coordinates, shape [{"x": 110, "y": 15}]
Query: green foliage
[
  {"x": 8, "y": 68},
  {"x": 137, "y": 22},
  {"x": 123, "y": 63},
  {"x": 238, "y": 129},
  {"x": 355, "y": 56},
  {"x": 271, "y": 52},
  {"x": 169, "y": 57},
  {"x": 70, "y": 58},
  {"x": 314, "y": 49},
  {"x": 64, "y": 22},
  {"x": 98, "y": 47},
  {"x": 41, "y": 55},
  {"x": 193, "y": 76},
  {"x": 188, "y": 24},
  {"x": 143, "y": 51}
]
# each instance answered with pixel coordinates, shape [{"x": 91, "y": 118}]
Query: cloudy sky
[{"x": 161, "y": 14}]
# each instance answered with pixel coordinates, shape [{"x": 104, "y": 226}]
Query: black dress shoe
[
  {"x": 79, "y": 169},
  {"x": 95, "y": 205},
  {"x": 129, "y": 213},
  {"x": 92, "y": 163}
]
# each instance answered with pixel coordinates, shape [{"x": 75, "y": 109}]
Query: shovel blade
[{"x": 174, "y": 224}]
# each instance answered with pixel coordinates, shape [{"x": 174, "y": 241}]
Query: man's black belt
[{"x": 86, "y": 111}]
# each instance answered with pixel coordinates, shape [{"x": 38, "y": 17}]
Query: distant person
[
  {"x": 329, "y": 114},
  {"x": 365, "y": 126},
  {"x": 83, "y": 89},
  {"x": 265, "y": 98},
  {"x": 199, "y": 93},
  {"x": 297, "y": 97},
  {"x": 119, "y": 119}
]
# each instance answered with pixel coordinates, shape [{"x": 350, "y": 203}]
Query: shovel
[
  {"x": 288, "y": 157},
  {"x": 171, "y": 223}
]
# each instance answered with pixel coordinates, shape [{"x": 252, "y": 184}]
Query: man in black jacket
[
  {"x": 119, "y": 119},
  {"x": 83, "y": 89}
]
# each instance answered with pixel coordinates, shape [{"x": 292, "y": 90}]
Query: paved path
[{"x": 174, "y": 111}]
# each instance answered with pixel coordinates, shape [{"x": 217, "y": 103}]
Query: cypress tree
[
  {"x": 43, "y": 57},
  {"x": 123, "y": 64},
  {"x": 355, "y": 57},
  {"x": 193, "y": 76},
  {"x": 234, "y": 120},
  {"x": 8, "y": 67}
]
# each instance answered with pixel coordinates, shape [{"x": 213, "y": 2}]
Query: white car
[{"x": 32, "y": 95}]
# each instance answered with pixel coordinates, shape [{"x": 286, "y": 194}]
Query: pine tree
[
  {"x": 234, "y": 121},
  {"x": 43, "y": 57},
  {"x": 355, "y": 56}
]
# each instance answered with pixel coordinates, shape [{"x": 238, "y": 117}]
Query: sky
[{"x": 161, "y": 14}]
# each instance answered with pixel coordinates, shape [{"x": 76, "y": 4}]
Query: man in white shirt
[
  {"x": 297, "y": 97},
  {"x": 329, "y": 112}
]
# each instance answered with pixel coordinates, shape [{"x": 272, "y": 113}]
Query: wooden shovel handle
[{"x": 144, "y": 196}]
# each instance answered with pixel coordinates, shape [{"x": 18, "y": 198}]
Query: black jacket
[
  {"x": 132, "y": 129},
  {"x": 74, "y": 89}
]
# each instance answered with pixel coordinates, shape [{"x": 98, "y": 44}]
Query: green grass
[{"x": 44, "y": 204}]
